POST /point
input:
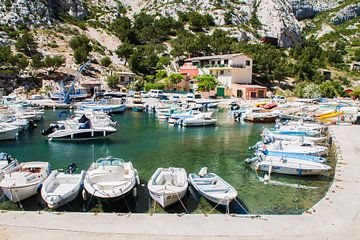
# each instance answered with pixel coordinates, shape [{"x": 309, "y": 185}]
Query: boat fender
[
  {"x": 38, "y": 188},
  {"x": 84, "y": 194},
  {"x": 257, "y": 166},
  {"x": 134, "y": 192}
]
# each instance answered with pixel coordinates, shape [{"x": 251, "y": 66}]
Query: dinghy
[
  {"x": 212, "y": 187},
  {"x": 296, "y": 147},
  {"x": 25, "y": 180},
  {"x": 197, "y": 121},
  {"x": 278, "y": 136},
  {"x": 61, "y": 188},
  {"x": 168, "y": 185},
  {"x": 110, "y": 178}
]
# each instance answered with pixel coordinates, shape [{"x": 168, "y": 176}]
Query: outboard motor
[
  {"x": 71, "y": 168},
  {"x": 50, "y": 130},
  {"x": 83, "y": 119}
]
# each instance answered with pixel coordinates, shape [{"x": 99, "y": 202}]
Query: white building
[{"x": 228, "y": 69}]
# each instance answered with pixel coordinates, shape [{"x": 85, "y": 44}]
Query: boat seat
[{"x": 216, "y": 190}]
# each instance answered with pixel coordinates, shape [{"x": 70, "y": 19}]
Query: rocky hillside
[
  {"x": 172, "y": 29},
  {"x": 272, "y": 18}
]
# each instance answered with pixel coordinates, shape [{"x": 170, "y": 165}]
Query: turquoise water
[{"x": 150, "y": 143}]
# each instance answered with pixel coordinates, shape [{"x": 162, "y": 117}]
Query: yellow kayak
[
  {"x": 331, "y": 115},
  {"x": 260, "y": 104}
]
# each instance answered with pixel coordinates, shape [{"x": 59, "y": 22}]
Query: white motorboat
[
  {"x": 104, "y": 107},
  {"x": 8, "y": 132},
  {"x": 25, "y": 180},
  {"x": 189, "y": 114},
  {"x": 198, "y": 120},
  {"x": 285, "y": 165},
  {"x": 80, "y": 132},
  {"x": 98, "y": 121},
  {"x": 301, "y": 147},
  {"x": 61, "y": 188},
  {"x": 212, "y": 187},
  {"x": 168, "y": 185},
  {"x": 110, "y": 178},
  {"x": 287, "y": 137}
]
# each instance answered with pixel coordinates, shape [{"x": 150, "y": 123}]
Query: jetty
[{"x": 335, "y": 216}]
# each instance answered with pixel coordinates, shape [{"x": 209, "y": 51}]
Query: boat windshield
[{"x": 110, "y": 161}]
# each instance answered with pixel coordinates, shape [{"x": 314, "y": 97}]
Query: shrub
[{"x": 106, "y": 61}]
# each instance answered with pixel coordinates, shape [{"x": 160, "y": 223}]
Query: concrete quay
[{"x": 336, "y": 216}]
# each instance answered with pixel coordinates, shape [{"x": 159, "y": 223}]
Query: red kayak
[{"x": 269, "y": 105}]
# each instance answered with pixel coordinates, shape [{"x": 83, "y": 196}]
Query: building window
[
  {"x": 210, "y": 72},
  {"x": 219, "y": 62},
  {"x": 122, "y": 79},
  {"x": 222, "y": 72},
  {"x": 212, "y": 62},
  {"x": 247, "y": 63},
  {"x": 226, "y": 62}
]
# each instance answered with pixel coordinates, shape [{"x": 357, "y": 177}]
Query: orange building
[{"x": 248, "y": 92}]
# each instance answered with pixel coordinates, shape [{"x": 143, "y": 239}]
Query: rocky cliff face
[
  {"x": 37, "y": 13},
  {"x": 302, "y": 9},
  {"x": 278, "y": 20},
  {"x": 345, "y": 14},
  {"x": 17, "y": 12}
]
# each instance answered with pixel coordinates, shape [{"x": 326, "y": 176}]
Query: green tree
[
  {"x": 149, "y": 86},
  {"x": 331, "y": 89},
  {"x": 334, "y": 57},
  {"x": 37, "y": 61},
  {"x": 80, "y": 41},
  {"x": 175, "y": 78},
  {"x": 112, "y": 81},
  {"x": 196, "y": 21},
  {"x": 357, "y": 55},
  {"x": 105, "y": 61},
  {"x": 163, "y": 61},
  {"x": 161, "y": 74},
  {"x": 123, "y": 29},
  {"x": 206, "y": 82},
  {"x": 311, "y": 90},
  {"x": 26, "y": 44},
  {"x": 125, "y": 50},
  {"x": 81, "y": 55},
  {"x": 53, "y": 63}
]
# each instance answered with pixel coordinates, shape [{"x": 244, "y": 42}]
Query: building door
[
  {"x": 261, "y": 94},
  {"x": 239, "y": 93},
  {"x": 252, "y": 94},
  {"x": 220, "y": 91}
]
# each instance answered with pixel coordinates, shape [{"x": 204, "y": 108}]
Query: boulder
[
  {"x": 346, "y": 14},
  {"x": 302, "y": 9}
]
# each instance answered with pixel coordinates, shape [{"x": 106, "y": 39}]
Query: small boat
[
  {"x": 285, "y": 165},
  {"x": 258, "y": 115},
  {"x": 80, "y": 132},
  {"x": 168, "y": 185},
  {"x": 109, "y": 179},
  {"x": 198, "y": 120},
  {"x": 61, "y": 188},
  {"x": 297, "y": 147},
  {"x": 138, "y": 108},
  {"x": 8, "y": 132},
  {"x": 212, "y": 187},
  {"x": 25, "y": 180},
  {"x": 299, "y": 156},
  {"x": 103, "y": 107},
  {"x": 278, "y": 136},
  {"x": 270, "y": 105},
  {"x": 295, "y": 132}
]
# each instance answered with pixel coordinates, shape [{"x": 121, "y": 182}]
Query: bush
[
  {"x": 112, "y": 81},
  {"x": 106, "y": 61},
  {"x": 54, "y": 62},
  {"x": 26, "y": 44},
  {"x": 81, "y": 55},
  {"x": 206, "y": 82},
  {"x": 37, "y": 61},
  {"x": 311, "y": 90},
  {"x": 149, "y": 86},
  {"x": 81, "y": 41}
]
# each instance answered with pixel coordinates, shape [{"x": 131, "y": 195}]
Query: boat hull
[
  {"x": 167, "y": 199},
  {"x": 9, "y": 134}
]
